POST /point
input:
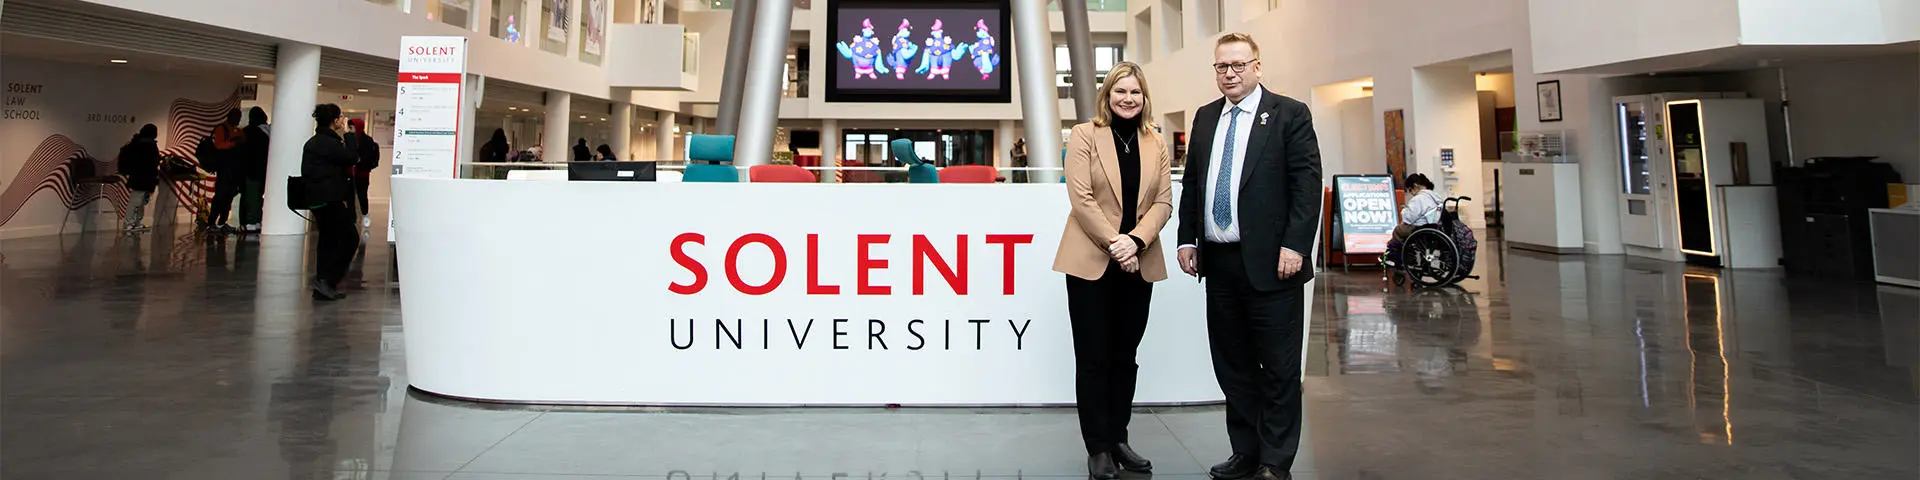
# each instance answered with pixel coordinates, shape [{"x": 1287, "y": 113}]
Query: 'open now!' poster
[{"x": 1367, "y": 214}]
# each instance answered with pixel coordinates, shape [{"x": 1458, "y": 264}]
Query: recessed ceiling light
[
  {"x": 603, "y": 119},
  {"x": 319, "y": 84},
  {"x": 117, "y": 60},
  {"x": 250, "y": 76},
  {"x": 362, "y": 90},
  {"x": 583, "y": 117}
]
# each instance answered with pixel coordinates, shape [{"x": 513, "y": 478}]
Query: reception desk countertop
[{"x": 758, "y": 294}]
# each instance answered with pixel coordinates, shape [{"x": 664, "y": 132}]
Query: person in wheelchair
[
  {"x": 1423, "y": 209},
  {"x": 1433, "y": 246}
]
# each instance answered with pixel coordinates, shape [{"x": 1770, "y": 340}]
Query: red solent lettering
[
  {"x": 868, "y": 264},
  {"x": 430, "y": 50},
  {"x": 923, "y": 251},
  {"x": 814, "y": 287},
  {"x": 677, "y": 249},
  {"x": 779, "y": 264},
  {"x": 1008, "y": 242}
]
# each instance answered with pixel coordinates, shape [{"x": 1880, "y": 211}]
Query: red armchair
[
  {"x": 780, "y": 174},
  {"x": 969, "y": 174}
]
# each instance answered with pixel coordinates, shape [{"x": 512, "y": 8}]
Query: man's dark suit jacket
[{"x": 1279, "y": 190}]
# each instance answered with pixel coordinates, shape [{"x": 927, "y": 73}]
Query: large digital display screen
[{"x": 952, "y": 51}]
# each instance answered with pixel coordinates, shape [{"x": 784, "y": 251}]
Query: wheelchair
[{"x": 1435, "y": 255}]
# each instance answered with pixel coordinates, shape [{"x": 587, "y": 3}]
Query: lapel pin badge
[{"x": 1263, "y": 118}]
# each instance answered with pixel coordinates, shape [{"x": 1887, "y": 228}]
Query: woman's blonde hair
[{"x": 1105, "y": 100}]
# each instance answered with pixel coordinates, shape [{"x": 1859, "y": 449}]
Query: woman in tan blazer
[{"x": 1121, "y": 192}]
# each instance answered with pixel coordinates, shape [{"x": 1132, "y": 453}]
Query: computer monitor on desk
[{"x": 612, "y": 171}]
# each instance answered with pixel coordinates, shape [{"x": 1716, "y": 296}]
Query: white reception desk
[{"x": 758, "y": 294}]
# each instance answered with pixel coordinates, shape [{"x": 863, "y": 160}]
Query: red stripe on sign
[{"x": 429, "y": 78}]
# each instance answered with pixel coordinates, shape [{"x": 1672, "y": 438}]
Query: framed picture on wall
[{"x": 1549, "y": 100}]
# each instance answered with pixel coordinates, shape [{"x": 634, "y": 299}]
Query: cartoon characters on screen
[
  {"x": 864, "y": 51},
  {"x": 937, "y": 56},
  {"x": 986, "y": 56},
  {"x": 901, "y": 57},
  {"x": 940, "y": 54}
]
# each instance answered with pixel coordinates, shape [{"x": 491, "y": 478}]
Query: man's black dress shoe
[
  {"x": 1270, "y": 472},
  {"x": 1236, "y": 467},
  {"x": 1124, "y": 455},
  {"x": 324, "y": 292},
  {"x": 1100, "y": 466}
]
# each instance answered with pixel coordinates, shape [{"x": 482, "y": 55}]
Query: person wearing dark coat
[
  {"x": 606, "y": 153},
  {"x": 369, "y": 154},
  {"x": 496, "y": 148},
  {"x": 326, "y": 162},
  {"x": 253, "y": 165},
  {"x": 139, "y": 162},
  {"x": 581, "y": 153},
  {"x": 228, "y": 141}
]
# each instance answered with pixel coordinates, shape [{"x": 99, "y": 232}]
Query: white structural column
[
  {"x": 575, "y": 34},
  {"x": 622, "y": 130},
  {"x": 829, "y": 150},
  {"x": 663, "y": 138},
  {"x": 1080, "y": 57},
  {"x": 468, "y": 148},
  {"x": 554, "y": 141},
  {"x": 1033, "y": 48},
  {"x": 760, "y": 103},
  {"x": 296, "y": 85},
  {"x": 530, "y": 23},
  {"x": 733, "y": 78},
  {"x": 481, "y": 19}
]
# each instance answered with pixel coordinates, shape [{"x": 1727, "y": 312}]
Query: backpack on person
[{"x": 207, "y": 154}]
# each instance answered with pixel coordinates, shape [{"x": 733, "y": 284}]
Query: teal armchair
[
  {"x": 710, "y": 159},
  {"x": 919, "y": 170}
]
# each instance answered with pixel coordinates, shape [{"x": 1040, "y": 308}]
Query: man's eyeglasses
[{"x": 1238, "y": 67}]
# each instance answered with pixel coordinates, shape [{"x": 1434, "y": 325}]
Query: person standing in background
[
  {"x": 496, "y": 149},
  {"x": 228, "y": 180},
  {"x": 325, "y": 162},
  {"x": 606, "y": 153},
  {"x": 253, "y": 166},
  {"x": 581, "y": 153},
  {"x": 139, "y": 162},
  {"x": 1019, "y": 154},
  {"x": 1120, "y": 193},
  {"x": 1249, "y": 212},
  {"x": 368, "y": 153}
]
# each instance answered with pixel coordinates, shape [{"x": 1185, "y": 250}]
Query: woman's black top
[{"x": 1126, "y": 137}]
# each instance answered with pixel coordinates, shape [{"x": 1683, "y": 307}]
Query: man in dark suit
[{"x": 1248, "y": 215}]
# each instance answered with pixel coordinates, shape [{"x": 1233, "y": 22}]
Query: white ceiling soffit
[
  {"x": 359, "y": 68},
  {"x": 67, "y": 22},
  {"x": 594, "y": 108},
  {"x": 514, "y": 93}
]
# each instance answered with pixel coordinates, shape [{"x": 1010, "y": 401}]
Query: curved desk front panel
[{"x": 758, "y": 294}]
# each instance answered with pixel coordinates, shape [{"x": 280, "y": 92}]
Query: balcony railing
[
  {"x": 800, "y": 4},
  {"x": 1096, "y": 5}
]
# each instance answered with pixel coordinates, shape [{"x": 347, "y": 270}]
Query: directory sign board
[{"x": 427, "y": 108}]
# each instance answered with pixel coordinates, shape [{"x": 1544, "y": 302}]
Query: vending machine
[
  {"x": 1696, "y": 179},
  {"x": 1647, "y": 208}
]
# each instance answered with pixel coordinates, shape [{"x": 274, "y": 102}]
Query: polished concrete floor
[{"x": 169, "y": 356}]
